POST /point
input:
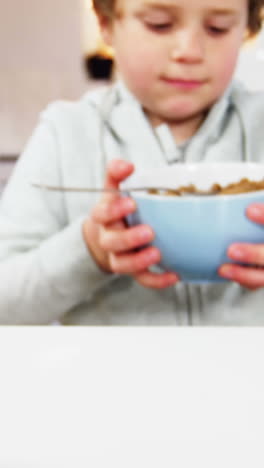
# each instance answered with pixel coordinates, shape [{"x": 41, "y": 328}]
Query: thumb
[{"x": 117, "y": 171}]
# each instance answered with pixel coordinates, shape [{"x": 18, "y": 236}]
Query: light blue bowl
[{"x": 193, "y": 233}]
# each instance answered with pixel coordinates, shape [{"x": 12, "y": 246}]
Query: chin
[
  {"x": 185, "y": 109},
  {"x": 180, "y": 114}
]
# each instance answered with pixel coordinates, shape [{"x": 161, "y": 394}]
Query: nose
[{"x": 188, "y": 47}]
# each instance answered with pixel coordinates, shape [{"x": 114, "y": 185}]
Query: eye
[
  {"x": 215, "y": 31},
  {"x": 159, "y": 27}
]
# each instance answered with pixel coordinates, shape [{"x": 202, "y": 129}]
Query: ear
[{"x": 106, "y": 27}]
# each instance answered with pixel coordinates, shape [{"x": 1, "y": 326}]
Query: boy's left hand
[{"x": 251, "y": 277}]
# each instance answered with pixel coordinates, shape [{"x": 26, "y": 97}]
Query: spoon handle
[
  {"x": 94, "y": 189},
  {"x": 179, "y": 192}
]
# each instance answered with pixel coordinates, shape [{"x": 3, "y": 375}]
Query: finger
[
  {"x": 156, "y": 280},
  {"x": 108, "y": 211},
  {"x": 247, "y": 253},
  {"x": 256, "y": 212},
  {"x": 251, "y": 278},
  {"x": 134, "y": 262},
  {"x": 117, "y": 171},
  {"x": 118, "y": 241}
]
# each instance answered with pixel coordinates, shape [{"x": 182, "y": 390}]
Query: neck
[{"x": 182, "y": 130}]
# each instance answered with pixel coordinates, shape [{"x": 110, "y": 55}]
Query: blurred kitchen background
[
  {"x": 45, "y": 49},
  {"x": 51, "y": 50}
]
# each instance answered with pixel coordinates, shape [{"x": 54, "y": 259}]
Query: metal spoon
[
  {"x": 93, "y": 189},
  {"x": 119, "y": 190}
]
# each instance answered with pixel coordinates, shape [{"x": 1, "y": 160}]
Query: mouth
[{"x": 184, "y": 84}]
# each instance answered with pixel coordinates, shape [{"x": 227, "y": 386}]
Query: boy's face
[{"x": 177, "y": 56}]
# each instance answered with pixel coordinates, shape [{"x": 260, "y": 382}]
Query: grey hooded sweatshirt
[{"x": 47, "y": 273}]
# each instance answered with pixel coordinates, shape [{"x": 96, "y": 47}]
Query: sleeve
[{"x": 45, "y": 267}]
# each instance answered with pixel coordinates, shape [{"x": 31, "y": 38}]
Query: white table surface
[{"x": 124, "y": 397}]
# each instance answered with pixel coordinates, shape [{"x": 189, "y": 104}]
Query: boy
[{"x": 69, "y": 256}]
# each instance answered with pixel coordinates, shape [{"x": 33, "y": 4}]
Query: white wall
[{"x": 41, "y": 54}]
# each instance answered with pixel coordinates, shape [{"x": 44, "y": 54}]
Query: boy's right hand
[{"x": 113, "y": 244}]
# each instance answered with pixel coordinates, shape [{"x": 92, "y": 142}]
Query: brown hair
[
  {"x": 255, "y": 10},
  {"x": 255, "y": 17}
]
